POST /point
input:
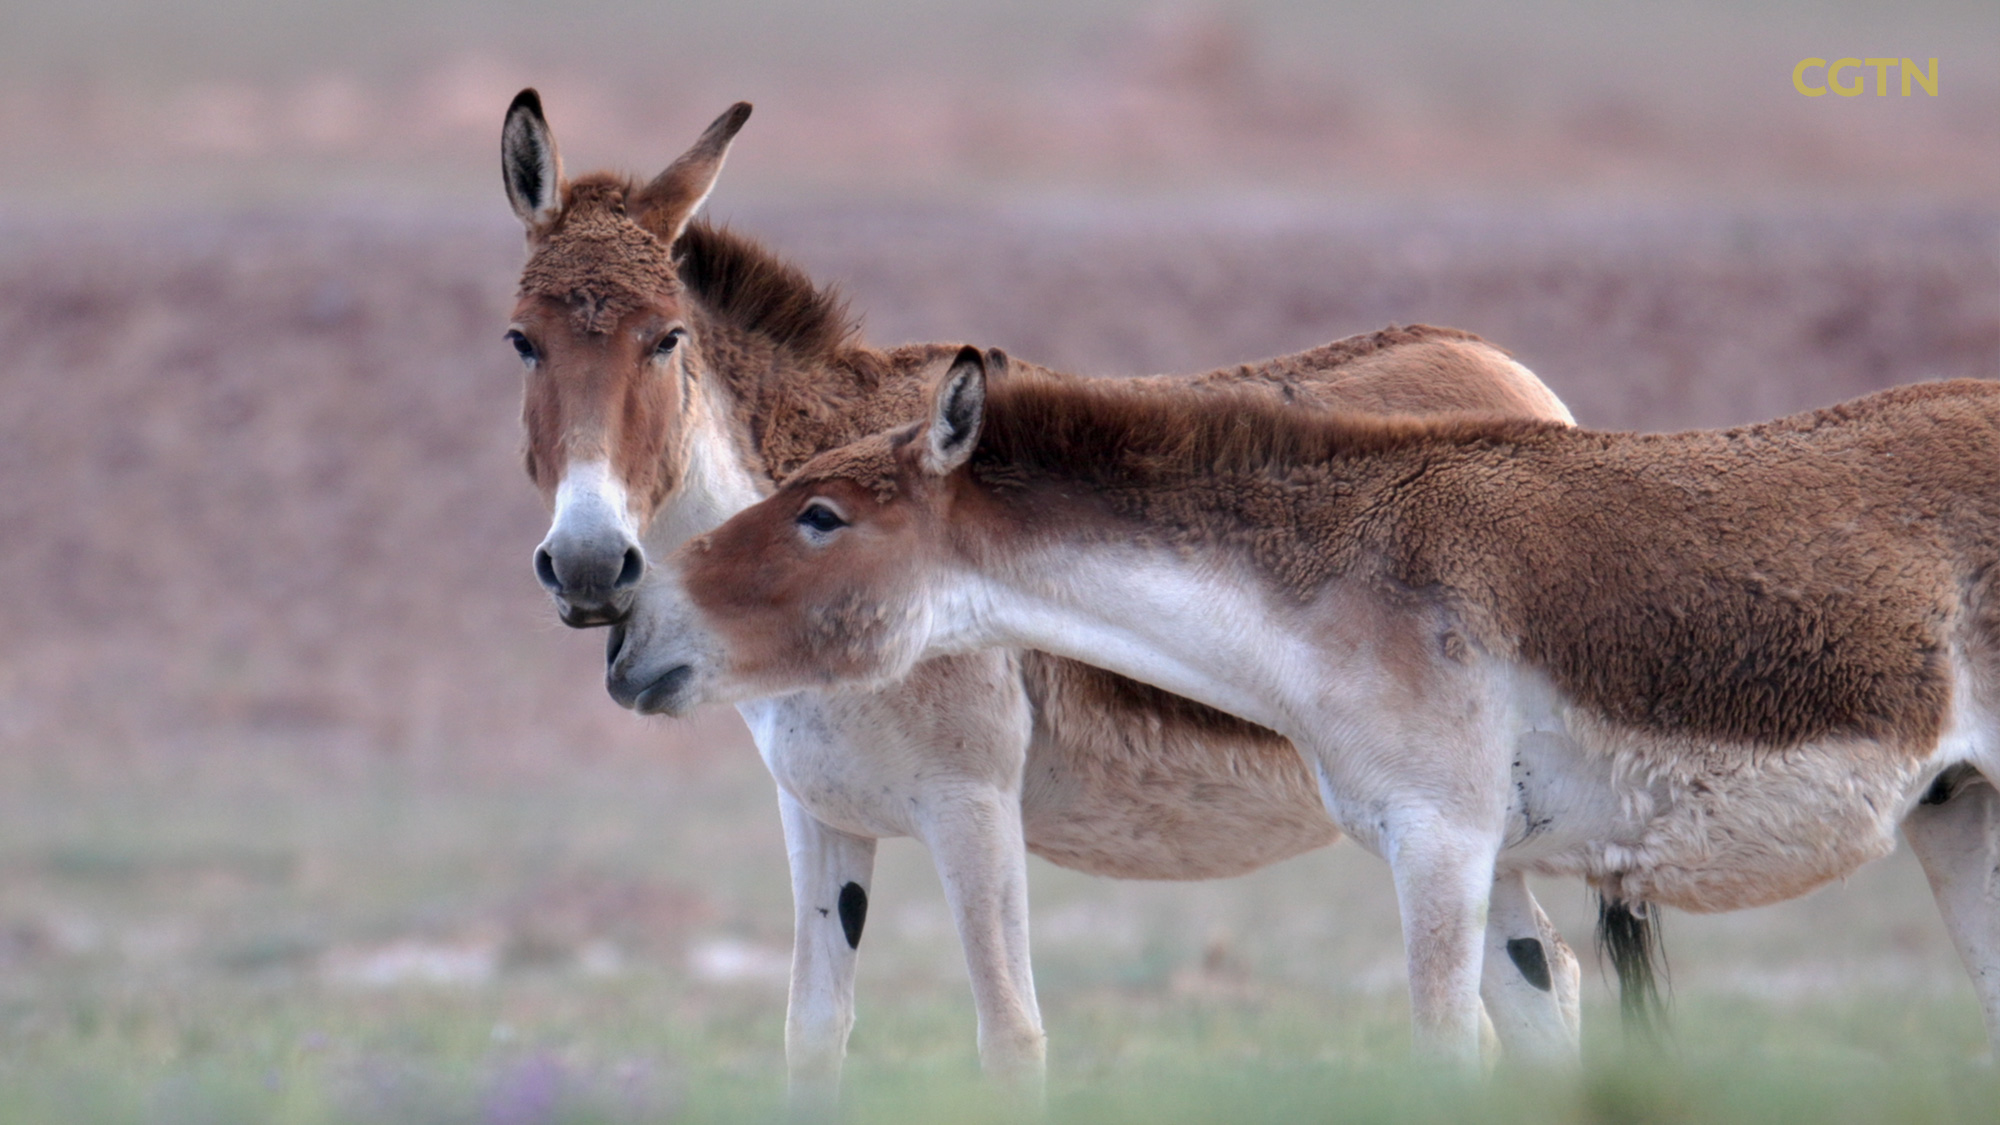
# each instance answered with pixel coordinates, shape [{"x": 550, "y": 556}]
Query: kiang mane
[
  {"x": 758, "y": 292},
  {"x": 1038, "y": 429}
]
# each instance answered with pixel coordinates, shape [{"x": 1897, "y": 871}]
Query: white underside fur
[
  {"x": 1650, "y": 818},
  {"x": 1490, "y": 770}
]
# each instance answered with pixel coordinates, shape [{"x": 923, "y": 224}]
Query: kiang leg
[
  {"x": 1444, "y": 878},
  {"x": 831, "y": 871},
  {"x": 1955, "y": 834},
  {"x": 974, "y": 835},
  {"x": 1410, "y": 790}
]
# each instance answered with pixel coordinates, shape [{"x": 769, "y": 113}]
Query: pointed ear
[
  {"x": 665, "y": 205},
  {"x": 529, "y": 163},
  {"x": 957, "y": 410}
]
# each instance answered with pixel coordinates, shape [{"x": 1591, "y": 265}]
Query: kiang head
[
  {"x": 834, "y": 579},
  {"x": 604, "y": 328}
]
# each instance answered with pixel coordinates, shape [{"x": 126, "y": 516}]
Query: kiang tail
[{"x": 1626, "y": 934}]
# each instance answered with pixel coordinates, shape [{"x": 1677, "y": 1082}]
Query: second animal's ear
[
  {"x": 665, "y": 205},
  {"x": 529, "y": 163},
  {"x": 957, "y": 411}
]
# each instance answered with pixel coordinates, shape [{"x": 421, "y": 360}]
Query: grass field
[{"x": 257, "y": 938}]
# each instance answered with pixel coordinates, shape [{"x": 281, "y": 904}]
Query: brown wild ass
[
  {"x": 1710, "y": 670},
  {"x": 675, "y": 371}
]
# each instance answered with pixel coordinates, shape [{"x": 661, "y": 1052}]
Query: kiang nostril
[
  {"x": 545, "y": 569},
  {"x": 633, "y": 570},
  {"x": 675, "y": 679}
]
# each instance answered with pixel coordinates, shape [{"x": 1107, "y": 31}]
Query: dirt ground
[{"x": 263, "y": 474}]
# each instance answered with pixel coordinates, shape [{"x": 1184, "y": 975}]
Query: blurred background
[{"x": 305, "y": 794}]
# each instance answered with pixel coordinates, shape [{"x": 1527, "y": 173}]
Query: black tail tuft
[{"x": 1628, "y": 937}]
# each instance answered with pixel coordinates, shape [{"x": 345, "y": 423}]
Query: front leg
[
  {"x": 1444, "y": 879},
  {"x": 1529, "y": 978},
  {"x": 831, "y": 871},
  {"x": 1955, "y": 834},
  {"x": 974, "y": 835}
]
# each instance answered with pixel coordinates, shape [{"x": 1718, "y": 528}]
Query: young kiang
[
  {"x": 1707, "y": 670},
  {"x": 675, "y": 370}
]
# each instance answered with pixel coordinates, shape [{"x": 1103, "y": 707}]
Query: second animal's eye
[
  {"x": 820, "y": 517},
  {"x": 523, "y": 346},
  {"x": 668, "y": 343}
]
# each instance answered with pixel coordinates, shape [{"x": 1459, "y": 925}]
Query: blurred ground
[
  {"x": 158, "y": 106},
  {"x": 263, "y": 474},
  {"x": 308, "y": 808}
]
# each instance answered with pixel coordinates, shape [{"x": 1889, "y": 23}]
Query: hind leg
[
  {"x": 1958, "y": 843},
  {"x": 1529, "y": 978}
]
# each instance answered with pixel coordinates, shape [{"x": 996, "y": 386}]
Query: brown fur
[
  {"x": 1541, "y": 538},
  {"x": 1345, "y": 375},
  {"x": 1118, "y": 778},
  {"x": 1165, "y": 785},
  {"x": 1430, "y": 371},
  {"x": 1753, "y": 636},
  {"x": 784, "y": 346},
  {"x": 817, "y": 387},
  {"x": 801, "y": 383},
  {"x": 596, "y": 261},
  {"x": 752, "y": 290}
]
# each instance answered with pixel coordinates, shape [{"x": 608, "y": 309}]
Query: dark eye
[
  {"x": 820, "y": 518},
  {"x": 522, "y": 346},
  {"x": 668, "y": 343}
]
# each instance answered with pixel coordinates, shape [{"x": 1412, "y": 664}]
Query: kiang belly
[
  {"x": 1141, "y": 792},
  {"x": 1168, "y": 822},
  {"x": 1700, "y": 826}
]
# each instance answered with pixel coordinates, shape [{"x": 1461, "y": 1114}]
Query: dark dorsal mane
[
  {"x": 755, "y": 291},
  {"x": 1113, "y": 437}
]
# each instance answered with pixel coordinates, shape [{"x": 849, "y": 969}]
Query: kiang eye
[
  {"x": 820, "y": 519},
  {"x": 522, "y": 346},
  {"x": 668, "y": 343}
]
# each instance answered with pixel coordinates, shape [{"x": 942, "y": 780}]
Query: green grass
[
  {"x": 524, "y": 1054},
  {"x": 170, "y": 937}
]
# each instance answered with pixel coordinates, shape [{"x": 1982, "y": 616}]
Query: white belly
[{"x": 1702, "y": 827}]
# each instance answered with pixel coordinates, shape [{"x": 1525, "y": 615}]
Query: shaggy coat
[
  {"x": 677, "y": 371},
  {"x": 1766, "y": 586},
  {"x": 1710, "y": 669},
  {"x": 1124, "y": 780}
]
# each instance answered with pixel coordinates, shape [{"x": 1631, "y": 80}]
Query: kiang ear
[
  {"x": 665, "y": 205},
  {"x": 529, "y": 163},
  {"x": 956, "y": 413}
]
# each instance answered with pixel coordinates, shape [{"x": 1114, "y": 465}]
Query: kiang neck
[{"x": 1200, "y": 627}]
